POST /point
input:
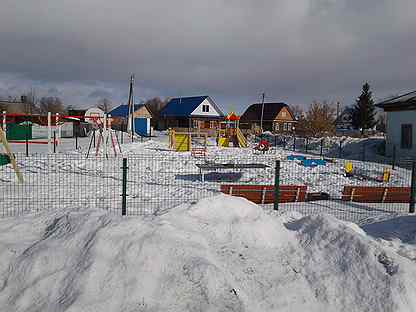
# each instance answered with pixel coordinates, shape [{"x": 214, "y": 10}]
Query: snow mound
[{"x": 219, "y": 254}]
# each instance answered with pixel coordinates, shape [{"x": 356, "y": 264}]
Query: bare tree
[
  {"x": 155, "y": 106},
  {"x": 319, "y": 119},
  {"x": 105, "y": 105},
  {"x": 51, "y": 104}
]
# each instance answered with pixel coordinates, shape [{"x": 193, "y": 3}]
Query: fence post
[
  {"x": 393, "y": 165},
  {"x": 124, "y": 189},
  {"x": 340, "y": 149},
  {"x": 277, "y": 185},
  {"x": 413, "y": 189},
  {"x": 27, "y": 137},
  {"x": 294, "y": 143},
  {"x": 322, "y": 147},
  {"x": 76, "y": 139},
  {"x": 284, "y": 142},
  {"x": 363, "y": 151},
  {"x": 306, "y": 144},
  {"x": 54, "y": 142}
]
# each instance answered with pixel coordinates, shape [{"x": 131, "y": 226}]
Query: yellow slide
[{"x": 242, "y": 141}]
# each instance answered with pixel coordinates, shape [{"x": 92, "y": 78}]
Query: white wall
[
  {"x": 394, "y": 132},
  {"x": 198, "y": 111}
]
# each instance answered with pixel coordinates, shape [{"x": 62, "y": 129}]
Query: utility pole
[
  {"x": 262, "y": 112},
  {"x": 130, "y": 123}
]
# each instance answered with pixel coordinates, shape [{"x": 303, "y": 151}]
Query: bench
[
  {"x": 209, "y": 166},
  {"x": 199, "y": 152},
  {"x": 264, "y": 194},
  {"x": 375, "y": 194}
]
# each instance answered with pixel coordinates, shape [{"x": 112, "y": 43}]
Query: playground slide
[{"x": 242, "y": 141}]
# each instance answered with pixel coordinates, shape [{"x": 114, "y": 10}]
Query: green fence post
[
  {"x": 124, "y": 189},
  {"x": 322, "y": 147},
  {"x": 413, "y": 189},
  {"x": 340, "y": 149},
  {"x": 306, "y": 144},
  {"x": 277, "y": 185},
  {"x": 393, "y": 165}
]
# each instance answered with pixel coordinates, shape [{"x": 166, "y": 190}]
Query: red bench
[
  {"x": 375, "y": 194},
  {"x": 199, "y": 152},
  {"x": 264, "y": 194}
]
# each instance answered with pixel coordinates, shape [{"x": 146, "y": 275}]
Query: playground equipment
[
  {"x": 231, "y": 132},
  {"x": 101, "y": 123},
  {"x": 22, "y": 132},
  {"x": 350, "y": 172},
  {"x": 263, "y": 146},
  {"x": 180, "y": 141},
  {"x": 8, "y": 157},
  {"x": 308, "y": 162}
]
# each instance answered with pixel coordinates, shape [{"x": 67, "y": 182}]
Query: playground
[{"x": 159, "y": 177}]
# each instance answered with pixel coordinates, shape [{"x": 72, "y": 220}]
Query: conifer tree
[{"x": 364, "y": 110}]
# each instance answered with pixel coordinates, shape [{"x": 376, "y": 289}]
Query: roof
[
  {"x": 407, "y": 100},
  {"x": 345, "y": 116},
  {"x": 184, "y": 106},
  {"x": 271, "y": 110},
  {"x": 123, "y": 110}
]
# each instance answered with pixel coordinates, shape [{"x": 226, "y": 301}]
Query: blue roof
[
  {"x": 184, "y": 106},
  {"x": 123, "y": 110}
]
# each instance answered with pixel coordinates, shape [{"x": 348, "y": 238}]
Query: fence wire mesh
[{"x": 156, "y": 184}]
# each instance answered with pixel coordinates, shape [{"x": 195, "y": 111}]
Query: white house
[{"x": 401, "y": 124}]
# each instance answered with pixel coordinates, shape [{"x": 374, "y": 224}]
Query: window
[
  {"x": 407, "y": 140},
  {"x": 276, "y": 125},
  {"x": 283, "y": 114},
  {"x": 205, "y": 108},
  {"x": 285, "y": 128}
]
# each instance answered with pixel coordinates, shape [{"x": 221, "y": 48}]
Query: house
[
  {"x": 277, "y": 117},
  {"x": 141, "y": 116},
  {"x": 344, "y": 123},
  {"x": 401, "y": 124},
  {"x": 344, "y": 120},
  {"x": 191, "y": 112}
]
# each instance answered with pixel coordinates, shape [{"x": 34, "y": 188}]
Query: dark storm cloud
[{"x": 294, "y": 50}]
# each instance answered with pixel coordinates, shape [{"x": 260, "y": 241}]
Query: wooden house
[
  {"x": 277, "y": 118},
  {"x": 196, "y": 112}
]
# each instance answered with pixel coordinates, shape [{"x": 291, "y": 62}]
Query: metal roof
[
  {"x": 123, "y": 110},
  {"x": 184, "y": 106},
  {"x": 401, "y": 100}
]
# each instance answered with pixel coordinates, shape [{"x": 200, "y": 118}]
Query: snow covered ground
[
  {"x": 219, "y": 254},
  {"x": 160, "y": 179},
  {"x": 65, "y": 247}
]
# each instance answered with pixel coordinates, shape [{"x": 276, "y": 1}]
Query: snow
[
  {"x": 160, "y": 179},
  {"x": 218, "y": 254}
]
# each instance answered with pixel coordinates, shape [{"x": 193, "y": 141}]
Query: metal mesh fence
[{"x": 156, "y": 184}]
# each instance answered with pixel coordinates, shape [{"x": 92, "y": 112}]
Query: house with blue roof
[
  {"x": 141, "y": 115},
  {"x": 191, "y": 112}
]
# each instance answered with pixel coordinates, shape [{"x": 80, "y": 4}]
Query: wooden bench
[
  {"x": 375, "y": 194},
  {"x": 264, "y": 194},
  {"x": 199, "y": 152}
]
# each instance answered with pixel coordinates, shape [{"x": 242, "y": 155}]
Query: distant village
[{"x": 395, "y": 117}]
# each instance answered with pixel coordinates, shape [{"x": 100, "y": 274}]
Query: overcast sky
[{"x": 295, "y": 51}]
